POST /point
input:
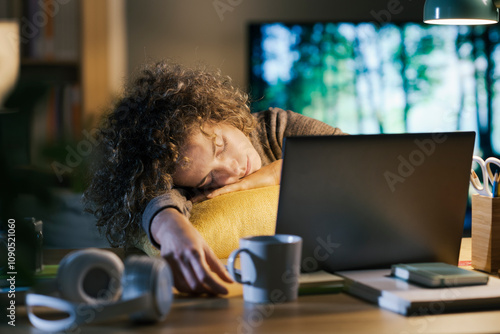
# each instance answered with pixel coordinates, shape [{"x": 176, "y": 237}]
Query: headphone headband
[
  {"x": 80, "y": 314},
  {"x": 146, "y": 284}
]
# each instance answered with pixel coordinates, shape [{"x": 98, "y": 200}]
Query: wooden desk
[{"x": 339, "y": 313}]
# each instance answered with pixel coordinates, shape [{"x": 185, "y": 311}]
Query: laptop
[{"x": 370, "y": 201}]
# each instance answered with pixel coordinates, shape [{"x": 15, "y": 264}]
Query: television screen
[{"x": 366, "y": 78}]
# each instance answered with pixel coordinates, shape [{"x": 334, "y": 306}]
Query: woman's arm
[
  {"x": 166, "y": 222},
  {"x": 273, "y": 125},
  {"x": 187, "y": 253},
  {"x": 269, "y": 175}
]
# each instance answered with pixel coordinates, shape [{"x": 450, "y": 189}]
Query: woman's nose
[
  {"x": 234, "y": 166},
  {"x": 229, "y": 172},
  {"x": 230, "y": 166}
]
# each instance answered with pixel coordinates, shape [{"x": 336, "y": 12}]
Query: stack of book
[{"x": 379, "y": 287}]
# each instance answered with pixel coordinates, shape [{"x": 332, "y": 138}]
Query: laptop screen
[{"x": 370, "y": 201}]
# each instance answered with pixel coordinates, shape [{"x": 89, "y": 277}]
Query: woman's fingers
[
  {"x": 192, "y": 275},
  {"x": 179, "y": 281},
  {"x": 200, "y": 195},
  {"x": 184, "y": 279},
  {"x": 205, "y": 277},
  {"x": 216, "y": 266},
  {"x": 198, "y": 198},
  {"x": 241, "y": 185}
]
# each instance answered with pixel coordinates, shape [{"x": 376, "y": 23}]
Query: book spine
[{"x": 49, "y": 30}]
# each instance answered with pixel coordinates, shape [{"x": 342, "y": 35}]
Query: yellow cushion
[{"x": 223, "y": 220}]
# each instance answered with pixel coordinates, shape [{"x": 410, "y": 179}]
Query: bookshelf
[{"x": 73, "y": 61}]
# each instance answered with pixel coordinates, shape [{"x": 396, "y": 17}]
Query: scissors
[{"x": 483, "y": 188}]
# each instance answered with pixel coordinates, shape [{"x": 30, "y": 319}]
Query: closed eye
[
  {"x": 224, "y": 146},
  {"x": 224, "y": 140},
  {"x": 210, "y": 184}
]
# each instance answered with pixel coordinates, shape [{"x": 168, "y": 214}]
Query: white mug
[{"x": 270, "y": 267}]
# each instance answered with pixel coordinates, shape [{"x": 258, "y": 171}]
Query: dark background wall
[{"x": 214, "y": 31}]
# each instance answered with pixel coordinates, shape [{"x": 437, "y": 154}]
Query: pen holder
[{"x": 485, "y": 233}]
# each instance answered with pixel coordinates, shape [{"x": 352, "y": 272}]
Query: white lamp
[
  {"x": 9, "y": 59},
  {"x": 461, "y": 12}
]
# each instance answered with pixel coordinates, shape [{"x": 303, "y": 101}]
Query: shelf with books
[
  {"x": 73, "y": 56},
  {"x": 49, "y": 71},
  {"x": 50, "y": 29}
]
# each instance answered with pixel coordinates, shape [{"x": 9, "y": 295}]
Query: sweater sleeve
[
  {"x": 175, "y": 198},
  {"x": 274, "y": 124},
  {"x": 290, "y": 123}
]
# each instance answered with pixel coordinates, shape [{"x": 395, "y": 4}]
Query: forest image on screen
[{"x": 395, "y": 78}]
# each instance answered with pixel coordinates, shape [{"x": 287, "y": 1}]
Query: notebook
[
  {"x": 370, "y": 201},
  {"x": 379, "y": 287}
]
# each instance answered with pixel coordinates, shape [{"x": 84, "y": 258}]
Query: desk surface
[{"x": 339, "y": 313}]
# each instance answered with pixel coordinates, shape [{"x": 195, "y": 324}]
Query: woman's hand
[
  {"x": 191, "y": 260},
  {"x": 269, "y": 175}
]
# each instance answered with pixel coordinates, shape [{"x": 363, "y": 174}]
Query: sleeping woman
[{"x": 177, "y": 136}]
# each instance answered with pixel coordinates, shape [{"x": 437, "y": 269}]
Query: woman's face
[{"x": 220, "y": 157}]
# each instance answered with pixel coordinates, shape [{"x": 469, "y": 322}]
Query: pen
[{"x": 494, "y": 191}]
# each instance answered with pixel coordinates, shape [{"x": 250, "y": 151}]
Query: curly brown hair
[{"x": 142, "y": 135}]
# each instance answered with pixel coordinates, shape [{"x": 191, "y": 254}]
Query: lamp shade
[{"x": 460, "y": 12}]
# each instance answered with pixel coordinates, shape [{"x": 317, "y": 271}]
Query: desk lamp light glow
[
  {"x": 461, "y": 12},
  {"x": 9, "y": 59}
]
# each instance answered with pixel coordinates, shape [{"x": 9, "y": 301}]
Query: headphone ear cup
[
  {"x": 91, "y": 276},
  {"x": 148, "y": 275}
]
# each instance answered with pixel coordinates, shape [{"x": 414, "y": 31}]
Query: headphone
[{"x": 95, "y": 285}]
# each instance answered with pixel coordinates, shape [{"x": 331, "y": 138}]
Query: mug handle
[{"x": 230, "y": 265}]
